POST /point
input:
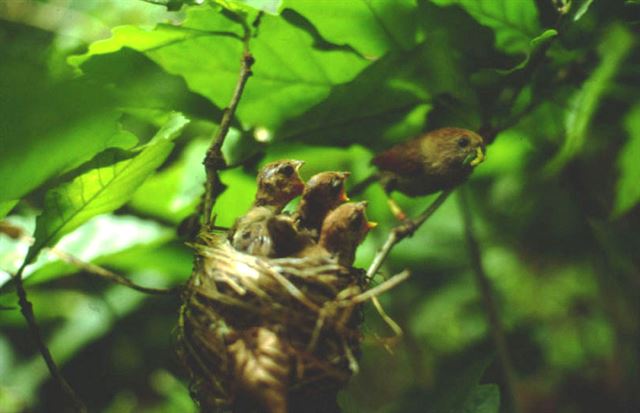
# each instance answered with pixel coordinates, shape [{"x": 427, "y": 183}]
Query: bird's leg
[{"x": 395, "y": 209}]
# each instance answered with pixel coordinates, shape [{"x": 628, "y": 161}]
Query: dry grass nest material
[{"x": 278, "y": 327}]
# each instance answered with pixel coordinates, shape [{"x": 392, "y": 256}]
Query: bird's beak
[
  {"x": 371, "y": 225},
  {"x": 297, "y": 164},
  {"x": 479, "y": 157},
  {"x": 343, "y": 196},
  {"x": 475, "y": 158}
]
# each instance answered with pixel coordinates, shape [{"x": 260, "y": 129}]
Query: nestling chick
[
  {"x": 278, "y": 183},
  {"x": 323, "y": 193},
  {"x": 342, "y": 231},
  {"x": 438, "y": 160}
]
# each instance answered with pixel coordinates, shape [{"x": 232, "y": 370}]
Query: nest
[{"x": 257, "y": 334}]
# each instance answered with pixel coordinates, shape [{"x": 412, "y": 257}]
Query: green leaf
[
  {"x": 173, "y": 193},
  {"x": 581, "y": 7},
  {"x": 267, "y": 6},
  {"x": 66, "y": 124},
  {"x": 289, "y": 76},
  {"x": 100, "y": 190},
  {"x": 615, "y": 47},
  {"x": 515, "y": 23},
  {"x": 105, "y": 231},
  {"x": 628, "y": 185},
  {"x": 371, "y": 27},
  {"x": 6, "y": 207}
]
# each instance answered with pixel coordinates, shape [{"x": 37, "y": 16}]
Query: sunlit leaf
[
  {"x": 48, "y": 125},
  {"x": 371, "y": 27},
  {"x": 581, "y": 7},
  {"x": 173, "y": 193},
  {"x": 100, "y": 190},
  {"x": 628, "y": 186},
  {"x": 6, "y": 207},
  {"x": 289, "y": 76},
  {"x": 267, "y": 6},
  {"x": 613, "y": 50}
]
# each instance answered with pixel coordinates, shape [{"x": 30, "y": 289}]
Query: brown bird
[
  {"x": 342, "y": 231},
  {"x": 435, "y": 161},
  {"x": 323, "y": 193},
  {"x": 278, "y": 183}
]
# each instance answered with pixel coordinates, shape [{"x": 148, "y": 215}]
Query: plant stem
[
  {"x": 491, "y": 310},
  {"x": 27, "y": 311},
  {"x": 404, "y": 230},
  {"x": 214, "y": 160}
]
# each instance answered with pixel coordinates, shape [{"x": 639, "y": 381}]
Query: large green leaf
[
  {"x": 47, "y": 126},
  {"x": 628, "y": 186},
  {"x": 173, "y": 193},
  {"x": 6, "y": 207},
  {"x": 289, "y": 75},
  {"x": 390, "y": 99},
  {"x": 371, "y": 27},
  {"x": 515, "y": 23},
  {"x": 101, "y": 190},
  {"x": 614, "y": 48}
]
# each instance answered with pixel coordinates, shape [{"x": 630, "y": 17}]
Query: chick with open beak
[
  {"x": 278, "y": 183},
  {"x": 342, "y": 231}
]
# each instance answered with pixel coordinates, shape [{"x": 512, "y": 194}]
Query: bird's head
[
  {"x": 344, "y": 229},
  {"x": 278, "y": 183},
  {"x": 454, "y": 148},
  {"x": 325, "y": 191}
]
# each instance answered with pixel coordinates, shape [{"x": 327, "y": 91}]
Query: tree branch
[
  {"x": 214, "y": 160},
  {"x": 404, "y": 230},
  {"x": 18, "y": 233},
  {"x": 490, "y": 307},
  {"x": 27, "y": 311}
]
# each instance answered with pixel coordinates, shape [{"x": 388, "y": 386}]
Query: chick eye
[
  {"x": 463, "y": 142},
  {"x": 336, "y": 185},
  {"x": 356, "y": 221},
  {"x": 287, "y": 170}
]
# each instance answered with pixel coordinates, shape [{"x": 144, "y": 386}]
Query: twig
[
  {"x": 404, "y": 230},
  {"x": 214, "y": 160},
  {"x": 27, "y": 311},
  {"x": 108, "y": 275},
  {"x": 493, "y": 318},
  {"x": 18, "y": 233}
]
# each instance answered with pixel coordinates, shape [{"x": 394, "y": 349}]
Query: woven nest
[{"x": 257, "y": 334}]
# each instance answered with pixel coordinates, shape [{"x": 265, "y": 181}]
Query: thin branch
[
  {"x": 27, "y": 311},
  {"x": 491, "y": 310},
  {"x": 404, "y": 230},
  {"x": 19, "y": 233},
  {"x": 108, "y": 275},
  {"x": 214, "y": 160}
]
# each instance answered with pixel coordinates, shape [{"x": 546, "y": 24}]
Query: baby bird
[
  {"x": 342, "y": 231},
  {"x": 323, "y": 193},
  {"x": 435, "y": 161},
  {"x": 278, "y": 183}
]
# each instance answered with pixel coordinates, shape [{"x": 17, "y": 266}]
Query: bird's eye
[
  {"x": 287, "y": 170},
  {"x": 463, "y": 142},
  {"x": 356, "y": 221},
  {"x": 336, "y": 185}
]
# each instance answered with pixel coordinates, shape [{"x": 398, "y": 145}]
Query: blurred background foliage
[{"x": 107, "y": 108}]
